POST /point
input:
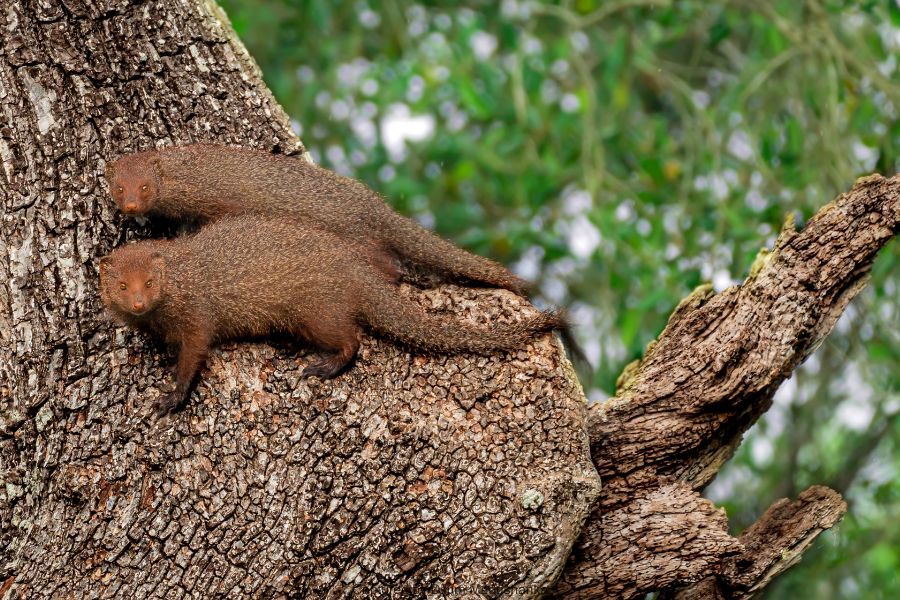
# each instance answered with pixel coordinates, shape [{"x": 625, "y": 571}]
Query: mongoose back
[
  {"x": 208, "y": 181},
  {"x": 250, "y": 275}
]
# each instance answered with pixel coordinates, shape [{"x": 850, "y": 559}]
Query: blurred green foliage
[{"x": 620, "y": 153}]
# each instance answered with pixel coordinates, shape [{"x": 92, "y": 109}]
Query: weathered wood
[
  {"x": 770, "y": 546},
  {"x": 682, "y": 411},
  {"x": 778, "y": 539},
  {"x": 465, "y": 475}
]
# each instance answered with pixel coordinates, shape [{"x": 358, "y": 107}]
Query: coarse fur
[
  {"x": 208, "y": 181},
  {"x": 251, "y": 275}
]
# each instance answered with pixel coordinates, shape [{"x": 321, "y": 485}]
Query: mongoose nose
[
  {"x": 137, "y": 305},
  {"x": 131, "y": 207}
]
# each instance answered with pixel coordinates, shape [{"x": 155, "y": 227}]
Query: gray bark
[{"x": 409, "y": 476}]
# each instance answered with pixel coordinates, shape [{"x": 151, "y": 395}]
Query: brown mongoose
[
  {"x": 207, "y": 181},
  {"x": 250, "y": 275}
]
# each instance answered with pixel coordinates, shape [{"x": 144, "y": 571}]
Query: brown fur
[
  {"x": 209, "y": 181},
  {"x": 251, "y": 275}
]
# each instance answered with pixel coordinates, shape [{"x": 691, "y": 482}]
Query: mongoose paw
[
  {"x": 323, "y": 369},
  {"x": 168, "y": 403}
]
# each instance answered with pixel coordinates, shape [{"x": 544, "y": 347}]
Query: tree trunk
[{"x": 410, "y": 474}]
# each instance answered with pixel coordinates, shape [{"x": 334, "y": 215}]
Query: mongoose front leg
[{"x": 191, "y": 356}]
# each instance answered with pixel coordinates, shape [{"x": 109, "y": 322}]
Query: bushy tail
[
  {"x": 421, "y": 246},
  {"x": 392, "y": 315}
]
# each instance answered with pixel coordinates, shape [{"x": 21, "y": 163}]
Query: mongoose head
[
  {"x": 132, "y": 280},
  {"x": 134, "y": 182}
]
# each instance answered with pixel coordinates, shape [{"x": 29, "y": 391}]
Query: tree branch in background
[{"x": 770, "y": 546}]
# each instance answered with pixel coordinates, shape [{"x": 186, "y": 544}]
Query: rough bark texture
[
  {"x": 681, "y": 412},
  {"x": 466, "y": 475},
  {"x": 777, "y": 540},
  {"x": 770, "y": 546},
  {"x": 409, "y": 475}
]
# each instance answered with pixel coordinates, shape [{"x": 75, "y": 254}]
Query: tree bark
[
  {"x": 680, "y": 413},
  {"x": 465, "y": 475},
  {"x": 410, "y": 475}
]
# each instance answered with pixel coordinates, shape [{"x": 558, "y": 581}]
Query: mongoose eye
[
  {"x": 150, "y": 283},
  {"x": 122, "y": 286},
  {"x": 120, "y": 189},
  {"x": 144, "y": 188}
]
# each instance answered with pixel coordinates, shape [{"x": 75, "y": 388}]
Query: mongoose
[
  {"x": 207, "y": 181},
  {"x": 251, "y": 275}
]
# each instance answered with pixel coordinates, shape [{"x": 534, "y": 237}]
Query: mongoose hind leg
[
  {"x": 327, "y": 368},
  {"x": 338, "y": 333}
]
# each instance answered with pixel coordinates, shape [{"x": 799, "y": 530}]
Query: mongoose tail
[
  {"x": 392, "y": 315},
  {"x": 421, "y": 246}
]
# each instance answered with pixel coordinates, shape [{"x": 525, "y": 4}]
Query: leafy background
[{"x": 620, "y": 153}]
